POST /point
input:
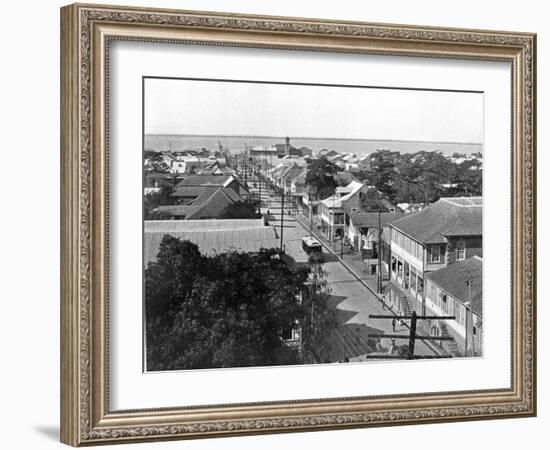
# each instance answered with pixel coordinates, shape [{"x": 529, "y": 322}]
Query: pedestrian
[
  {"x": 393, "y": 324},
  {"x": 393, "y": 347}
]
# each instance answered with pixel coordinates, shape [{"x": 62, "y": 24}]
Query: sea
[{"x": 179, "y": 142}]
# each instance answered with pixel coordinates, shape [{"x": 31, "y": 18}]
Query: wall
[{"x": 29, "y": 290}]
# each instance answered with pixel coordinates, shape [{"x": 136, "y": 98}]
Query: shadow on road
[{"x": 350, "y": 340}]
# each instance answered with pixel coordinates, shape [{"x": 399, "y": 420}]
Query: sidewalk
[{"x": 354, "y": 264}]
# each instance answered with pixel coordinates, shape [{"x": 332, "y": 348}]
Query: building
[
  {"x": 441, "y": 234},
  {"x": 332, "y": 210},
  {"x": 197, "y": 181},
  {"x": 457, "y": 291},
  {"x": 209, "y": 202},
  {"x": 362, "y": 227},
  {"x": 216, "y": 168},
  {"x": 211, "y": 236},
  {"x": 286, "y": 149}
]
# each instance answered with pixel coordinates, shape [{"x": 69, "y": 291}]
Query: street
[{"x": 352, "y": 300}]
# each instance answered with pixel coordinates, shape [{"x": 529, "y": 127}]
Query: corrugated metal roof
[
  {"x": 459, "y": 216},
  {"x": 168, "y": 226},
  {"x": 453, "y": 279},
  {"x": 215, "y": 240}
]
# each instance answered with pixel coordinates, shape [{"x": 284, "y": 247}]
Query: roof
[
  {"x": 210, "y": 203},
  {"x": 352, "y": 188},
  {"x": 211, "y": 236},
  {"x": 453, "y": 280},
  {"x": 281, "y": 148},
  {"x": 370, "y": 219},
  {"x": 460, "y": 216},
  {"x": 193, "y": 191},
  {"x": 293, "y": 173},
  {"x": 206, "y": 180},
  {"x": 168, "y": 226}
]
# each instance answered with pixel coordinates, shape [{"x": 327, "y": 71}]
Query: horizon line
[{"x": 310, "y": 137}]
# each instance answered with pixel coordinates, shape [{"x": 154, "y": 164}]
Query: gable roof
[
  {"x": 206, "y": 180},
  {"x": 460, "y": 216},
  {"x": 453, "y": 279},
  {"x": 193, "y": 191},
  {"x": 208, "y": 204},
  {"x": 292, "y": 173},
  {"x": 352, "y": 188}
]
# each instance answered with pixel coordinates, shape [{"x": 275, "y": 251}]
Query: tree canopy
[
  {"x": 320, "y": 177},
  {"x": 153, "y": 200},
  {"x": 226, "y": 310},
  {"x": 421, "y": 177}
]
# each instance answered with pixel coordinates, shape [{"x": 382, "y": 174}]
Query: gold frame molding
[{"x": 86, "y": 31}]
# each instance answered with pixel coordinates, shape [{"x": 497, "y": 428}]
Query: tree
[
  {"x": 320, "y": 177},
  {"x": 468, "y": 178},
  {"x": 382, "y": 171},
  {"x": 421, "y": 177},
  {"x": 227, "y": 310},
  {"x": 319, "y": 319},
  {"x": 155, "y": 199}
]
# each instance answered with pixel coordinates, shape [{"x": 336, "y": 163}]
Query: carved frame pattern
[{"x": 94, "y": 424}]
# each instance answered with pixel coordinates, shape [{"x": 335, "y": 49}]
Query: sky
[{"x": 175, "y": 106}]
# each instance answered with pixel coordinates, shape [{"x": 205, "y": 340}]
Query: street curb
[{"x": 350, "y": 270}]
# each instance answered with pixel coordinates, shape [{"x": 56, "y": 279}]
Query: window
[
  {"x": 436, "y": 254},
  {"x": 444, "y": 305},
  {"x": 353, "y": 209},
  {"x": 460, "y": 250}
]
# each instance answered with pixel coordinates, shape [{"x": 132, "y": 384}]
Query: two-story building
[
  {"x": 439, "y": 235},
  {"x": 456, "y": 290},
  {"x": 332, "y": 209}
]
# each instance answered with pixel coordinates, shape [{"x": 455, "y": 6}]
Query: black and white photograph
[{"x": 289, "y": 223}]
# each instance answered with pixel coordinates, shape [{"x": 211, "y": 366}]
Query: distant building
[
  {"x": 332, "y": 211},
  {"x": 226, "y": 181},
  {"x": 448, "y": 231},
  {"x": 457, "y": 291},
  {"x": 285, "y": 149},
  {"x": 305, "y": 151},
  {"x": 216, "y": 168}
]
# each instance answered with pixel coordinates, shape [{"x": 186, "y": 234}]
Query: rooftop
[
  {"x": 210, "y": 240},
  {"x": 336, "y": 202},
  {"x": 455, "y": 216},
  {"x": 453, "y": 279},
  {"x": 206, "y": 180},
  {"x": 210, "y": 202}
]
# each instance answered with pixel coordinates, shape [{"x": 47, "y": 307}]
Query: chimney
[{"x": 287, "y": 145}]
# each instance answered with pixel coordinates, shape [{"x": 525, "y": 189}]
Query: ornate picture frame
[{"x": 86, "y": 33}]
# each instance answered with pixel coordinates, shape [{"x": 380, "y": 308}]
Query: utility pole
[
  {"x": 411, "y": 337},
  {"x": 282, "y": 214},
  {"x": 379, "y": 254},
  {"x": 260, "y": 195}
]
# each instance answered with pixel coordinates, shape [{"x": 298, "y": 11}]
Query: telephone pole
[
  {"x": 282, "y": 214},
  {"x": 411, "y": 337}
]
